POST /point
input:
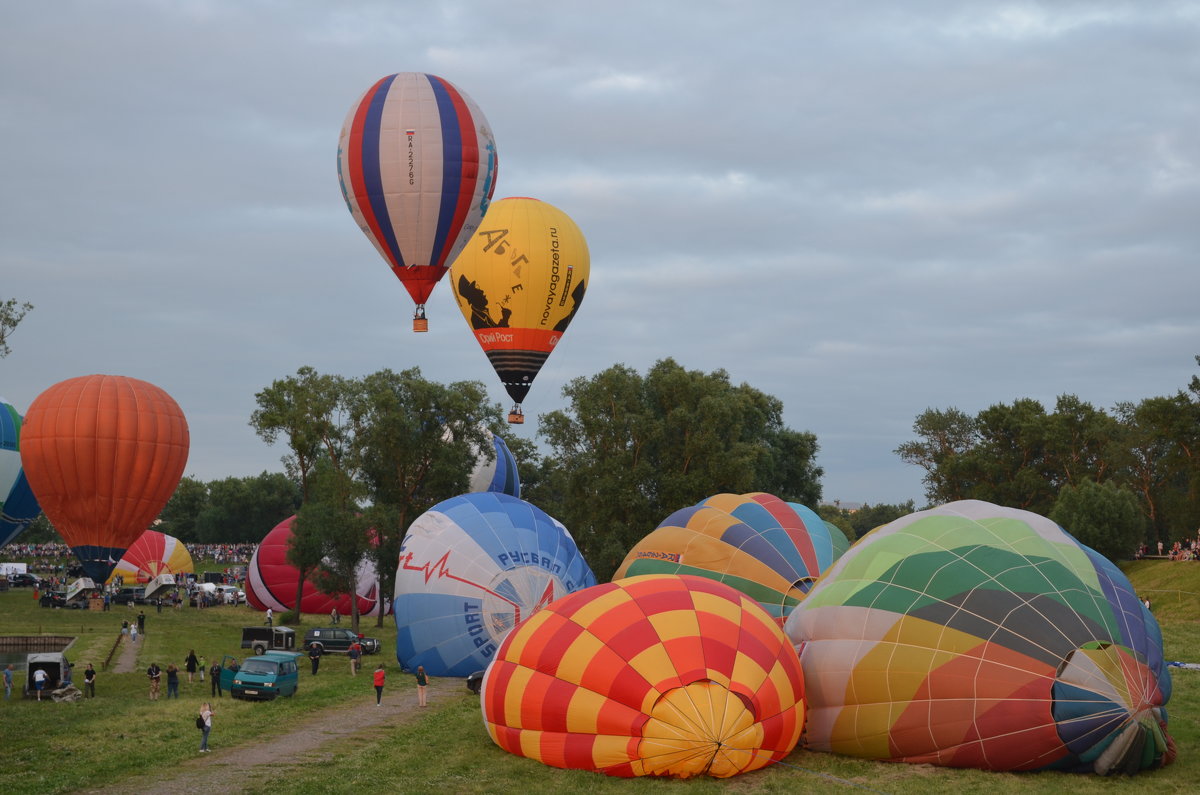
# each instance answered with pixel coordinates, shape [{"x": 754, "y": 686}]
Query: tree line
[{"x": 1141, "y": 461}]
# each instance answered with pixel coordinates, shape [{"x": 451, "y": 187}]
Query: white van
[{"x": 230, "y": 595}]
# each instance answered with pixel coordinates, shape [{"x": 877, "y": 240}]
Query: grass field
[{"x": 49, "y": 748}]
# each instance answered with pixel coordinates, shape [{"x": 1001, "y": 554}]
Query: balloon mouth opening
[{"x": 702, "y": 728}]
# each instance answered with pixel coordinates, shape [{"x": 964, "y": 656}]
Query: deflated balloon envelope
[
  {"x": 103, "y": 454},
  {"x": 471, "y": 568},
  {"x": 658, "y": 675},
  {"x": 153, "y": 554},
  {"x": 18, "y": 506},
  {"x": 769, "y": 549},
  {"x": 972, "y": 635}
]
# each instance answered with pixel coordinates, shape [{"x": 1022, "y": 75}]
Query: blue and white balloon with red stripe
[{"x": 471, "y": 568}]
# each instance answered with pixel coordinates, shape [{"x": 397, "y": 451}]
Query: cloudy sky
[{"x": 865, "y": 209}]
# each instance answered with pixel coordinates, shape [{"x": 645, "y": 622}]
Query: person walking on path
[
  {"x": 124, "y": 627},
  {"x": 206, "y": 717},
  {"x": 172, "y": 681},
  {"x": 141, "y": 622},
  {"x": 133, "y": 633},
  {"x": 190, "y": 663},
  {"x": 422, "y": 683},
  {"x": 214, "y": 674},
  {"x": 8, "y": 681},
  {"x": 89, "y": 681},
  {"x": 355, "y": 651},
  {"x": 380, "y": 674},
  {"x": 154, "y": 674},
  {"x": 314, "y": 656}
]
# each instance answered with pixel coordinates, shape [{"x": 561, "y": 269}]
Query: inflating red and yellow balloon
[
  {"x": 659, "y": 675},
  {"x": 519, "y": 281},
  {"x": 103, "y": 454},
  {"x": 152, "y": 555}
]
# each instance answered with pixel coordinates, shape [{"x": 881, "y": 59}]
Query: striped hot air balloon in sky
[{"x": 417, "y": 166}]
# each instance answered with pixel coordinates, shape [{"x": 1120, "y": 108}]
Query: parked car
[
  {"x": 272, "y": 674},
  {"x": 24, "y": 580},
  {"x": 336, "y": 639},
  {"x": 264, "y": 639},
  {"x": 129, "y": 595},
  {"x": 230, "y": 595}
]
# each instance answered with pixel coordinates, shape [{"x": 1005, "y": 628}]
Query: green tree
[
  {"x": 307, "y": 410},
  {"x": 631, "y": 449},
  {"x": 1156, "y": 461},
  {"x": 179, "y": 515},
  {"x": 945, "y": 437},
  {"x": 412, "y": 443},
  {"x": 1103, "y": 516},
  {"x": 245, "y": 509},
  {"x": 331, "y": 524},
  {"x": 12, "y": 313}
]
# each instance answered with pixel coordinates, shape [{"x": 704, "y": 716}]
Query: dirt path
[
  {"x": 126, "y": 657},
  {"x": 247, "y": 768}
]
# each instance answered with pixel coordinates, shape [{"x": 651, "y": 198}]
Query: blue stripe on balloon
[
  {"x": 452, "y": 170},
  {"x": 20, "y": 508},
  {"x": 373, "y": 175}
]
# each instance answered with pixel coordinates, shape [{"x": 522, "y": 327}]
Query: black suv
[
  {"x": 336, "y": 639},
  {"x": 23, "y": 580},
  {"x": 130, "y": 595}
]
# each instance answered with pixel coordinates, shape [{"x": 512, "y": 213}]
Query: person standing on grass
[
  {"x": 355, "y": 650},
  {"x": 270, "y": 617},
  {"x": 422, "y": 683},
  {"x": 379, "y": 677},
  {"x": 191, "y": 663},
  {"x": 8, "y": 681},
  {"x": 141, "y": 622},
  {"x": 206, "y": 715},
  {"x": 214, "y": 674},
  {"x": 172, "y": 681},
  {"x": 202, "y": 667},
  {"x": 154, "y": 674},
  {"x": 314, "y": 656},
  {"x": 89, "y": 681}
]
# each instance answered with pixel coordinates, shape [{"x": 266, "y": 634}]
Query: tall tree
[
  {"x": 414, "y": 443},
  {"x": 944, "y": 439},
  {"x": 631, "y": 449},
  {"x": 1103, "y": 516},
  {"x": 12, "y": 313}
]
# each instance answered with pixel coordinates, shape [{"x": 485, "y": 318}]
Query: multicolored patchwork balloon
[
  {"x": 769, "y": 549},
  {"x": 972, "y": 635},
  {"x": 471, "y": 568},
  {"x": 153, "y": 554},
  {"x": 658, "y": 675}
]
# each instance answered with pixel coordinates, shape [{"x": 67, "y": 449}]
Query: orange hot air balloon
[{"x": 103, "y": 454}]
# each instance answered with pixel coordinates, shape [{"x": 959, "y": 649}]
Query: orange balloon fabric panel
[{"x": 103, "y": 454}]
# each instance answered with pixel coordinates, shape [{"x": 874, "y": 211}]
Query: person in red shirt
[{"x": 379, "y": 676}]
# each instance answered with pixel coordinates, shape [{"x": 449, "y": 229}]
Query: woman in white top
[{"x": 206, "y": 715}]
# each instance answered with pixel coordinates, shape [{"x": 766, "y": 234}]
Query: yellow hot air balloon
[{"x": 519, "y": 281}]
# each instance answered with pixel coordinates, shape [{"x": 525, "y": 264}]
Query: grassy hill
[{"x": 1173, "y": 587}]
